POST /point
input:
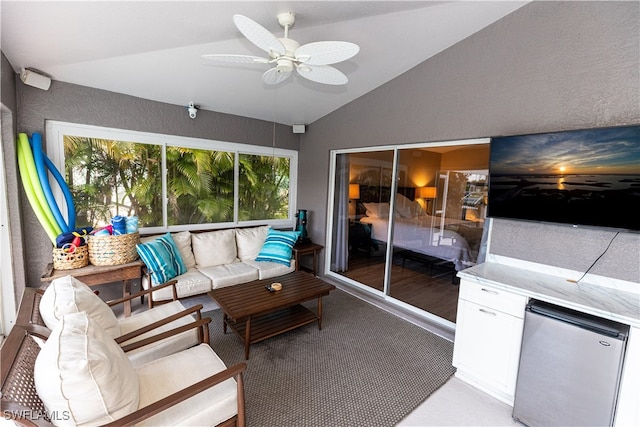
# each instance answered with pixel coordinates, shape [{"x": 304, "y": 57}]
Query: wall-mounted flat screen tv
[{"x": 585, "y": 177}]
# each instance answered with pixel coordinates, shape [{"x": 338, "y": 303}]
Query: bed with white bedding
[{"x": 452, "y": 240}]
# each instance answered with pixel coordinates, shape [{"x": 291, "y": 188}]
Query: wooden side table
[
  {"x": 93, "y": 275},
  {"x": 305, "y": 249}
]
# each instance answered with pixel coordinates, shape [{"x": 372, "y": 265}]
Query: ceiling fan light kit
[{"x": 311, "y": 61}]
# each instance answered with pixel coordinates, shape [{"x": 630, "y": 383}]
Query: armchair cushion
[
  {"x": 163, "y": 347},
  {"x": 278, "y": 246},
  {"x": 82, "y": 373},
  {"x": 69, "y": 295},
  {"x": 164, "y": 376},
  {"x": 162, "y": 258}
]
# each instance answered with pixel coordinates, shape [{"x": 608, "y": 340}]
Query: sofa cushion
[
  {"x": 81, "y": 372},
  {"x": 183, "y": 242},
  {"x": 210, "y": 407},
  {"x": 278, "y": 246},
  {"x": 162, "y": 258},
  {"x": 163, "y": 347},
  {"x": 214, "y": 247},
  {"x": 66, "y": 295},
  {"x": 249, "y": 241},
  {"x": 190, "y": 283},
  {"x": 267, "y": 269},
  {"x": 230, "y": 274}
]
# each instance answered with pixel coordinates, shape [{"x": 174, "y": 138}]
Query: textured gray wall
[
  {"x": 79, "y": 104},
  {"x": 548, "y": 66}
]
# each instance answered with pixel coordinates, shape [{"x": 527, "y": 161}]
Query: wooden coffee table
[{"x": 254, "y": 313}]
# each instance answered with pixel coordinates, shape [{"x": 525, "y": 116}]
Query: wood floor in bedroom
[{"x": 428, "y": 287}]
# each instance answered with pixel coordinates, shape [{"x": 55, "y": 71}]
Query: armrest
[
  {"x": 143, "y": 293},
  {"x": 147, "y": 273},
  {"x": 28, "y": 311},
  {"x": 200, "y": 323},
  {"x": 126, "y": 337},
  {"x": 184, "y": 394}
]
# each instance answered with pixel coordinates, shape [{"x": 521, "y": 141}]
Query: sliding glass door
[
  {"x": 362, "y": 196},
  {"x": 407, "y": 219}
]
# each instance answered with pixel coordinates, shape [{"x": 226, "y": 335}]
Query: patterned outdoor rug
[{"x": 366, "y": 367}]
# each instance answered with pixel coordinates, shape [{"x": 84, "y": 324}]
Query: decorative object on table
[
  {"x": 70, "y": 256},
  {"x": 71, "y": 250},
  {"x": 112, "y": 245},
  {"x": 119, "y": 224},
  {"x": 132, "y": 224},
  {"x": 301, "y": 226},
  {"x": 277, "y": 286},
  {"x": 33, "y": 165}
]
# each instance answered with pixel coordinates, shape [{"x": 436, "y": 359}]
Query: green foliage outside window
[{"x": 110, "y": 178}]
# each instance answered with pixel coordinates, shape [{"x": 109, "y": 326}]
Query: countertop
[{"x": 618, "y": 305}]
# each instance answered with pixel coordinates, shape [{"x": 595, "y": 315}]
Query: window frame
[{"x": 56, "y": 130}]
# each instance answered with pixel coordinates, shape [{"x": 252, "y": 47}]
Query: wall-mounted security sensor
[
  {"x": 31, "y": 78},
  {"x": 193, "y": 110},
  {"x": 298, "y": 129}
]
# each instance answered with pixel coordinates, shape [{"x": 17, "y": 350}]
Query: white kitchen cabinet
[{"x": 488, "y": 337}]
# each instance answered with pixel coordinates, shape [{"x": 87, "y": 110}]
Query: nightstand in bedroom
[
  {"x": 305, "y": 249},
  {"x": 360, "y": 237}
]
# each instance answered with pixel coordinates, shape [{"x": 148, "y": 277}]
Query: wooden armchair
[
  {"x": 144, "y": 338},
  {"x": 21, "y": 403}
]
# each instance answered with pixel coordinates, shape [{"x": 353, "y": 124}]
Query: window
[{"x": 172, "y": 182}]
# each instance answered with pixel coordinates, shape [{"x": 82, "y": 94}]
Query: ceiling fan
[{"x": 310, "y": 60}]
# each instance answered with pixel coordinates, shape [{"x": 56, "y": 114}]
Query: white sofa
[{"x": 219, "y": 258}]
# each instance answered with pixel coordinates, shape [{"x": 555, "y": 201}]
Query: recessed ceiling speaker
[
  {"x": 31, "y": 78},
  {"x": 298, "y": 128}
]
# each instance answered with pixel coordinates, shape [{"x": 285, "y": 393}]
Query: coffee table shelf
[{"x": 272, "y": 324}]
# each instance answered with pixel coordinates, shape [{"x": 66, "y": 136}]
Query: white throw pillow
[
  {"x": 404, "y": 207},
  {"x": 83, "y": 376},
  {"x": 250, "y": 241},
  {"x": 69, "y": 295},
  {"x": 214, "y": 247},
  {"x": 377, "y": 210}
]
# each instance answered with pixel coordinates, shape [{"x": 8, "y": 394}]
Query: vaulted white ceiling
[{"x": 152, "y": 49}]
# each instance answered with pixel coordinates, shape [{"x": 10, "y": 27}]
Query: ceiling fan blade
[
  {"x": 273, "y": 77},
  {"x": 324, "y": 53},
  {"x": 238, "y": 59},
  {"x": 323, "y": 74},
  {"x": 258, "y": 35}
]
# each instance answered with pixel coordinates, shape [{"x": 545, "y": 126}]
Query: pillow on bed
[
  {"x": 404, "y": 207},
  {"x": 377, "y": 210}
]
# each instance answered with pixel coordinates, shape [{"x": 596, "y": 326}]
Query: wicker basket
[
  {"x": 113, "y": 250},
  {"x": 63, "y": 260}
]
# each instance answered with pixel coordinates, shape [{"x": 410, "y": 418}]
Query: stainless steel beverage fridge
[{"x": 570, "y": 368}]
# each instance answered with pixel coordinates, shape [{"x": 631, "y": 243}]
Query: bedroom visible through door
[{"x": 406, "y": 219}]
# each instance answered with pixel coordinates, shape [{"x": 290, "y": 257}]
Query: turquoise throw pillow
[
  {"x": 162, "y": 258},
  {"x": 278, "y": 246}
]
